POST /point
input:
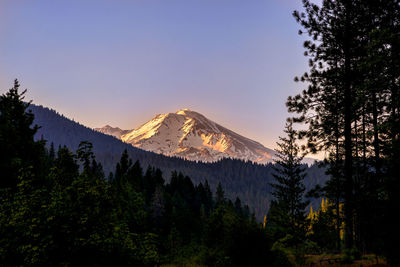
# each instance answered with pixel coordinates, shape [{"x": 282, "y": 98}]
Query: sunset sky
[{"x": 122, "y": 62}]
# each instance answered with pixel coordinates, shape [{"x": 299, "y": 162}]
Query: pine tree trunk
[
  {"x": 348, "y": 163},
  {"x": 338, "y": 188},
  {"x": 376, "y": 135}
]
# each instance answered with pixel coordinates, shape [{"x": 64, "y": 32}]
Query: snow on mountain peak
[
  {"x": 190, "y": 135},
  {"x": 182, "y": 111}
]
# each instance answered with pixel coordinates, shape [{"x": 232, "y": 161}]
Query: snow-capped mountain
[
  {"x": 192, "y": 136},
  {"x": 116, "y": 132}
]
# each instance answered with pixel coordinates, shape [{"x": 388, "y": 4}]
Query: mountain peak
[
  {"x": 190, "y": 135},
  {"x": 183, "y": 110},
  {"x": 114, "y": 131},
  {"x": 186, "y": 111}
]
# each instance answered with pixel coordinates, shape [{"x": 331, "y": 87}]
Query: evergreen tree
[
  {"x": 289, "y": 188},
  {"x": 52, "y": 152},
  {"x": 219, "y": 195},
  {"x": 18, "y": 149}
]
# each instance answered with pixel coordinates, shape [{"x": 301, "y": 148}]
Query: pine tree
[
  {"x": 123, "y": 167},
  {"x": 18, "y": 149},
  {"x": 52, "y": 152},
  {"x": 219, "y": 195},
  {"x": 289, "y": 189}
]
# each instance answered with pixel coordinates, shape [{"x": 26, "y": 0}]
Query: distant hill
[{"x": 247, "y": 180}]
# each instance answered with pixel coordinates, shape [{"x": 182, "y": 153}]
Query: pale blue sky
[{"x": 121, "y": 62}]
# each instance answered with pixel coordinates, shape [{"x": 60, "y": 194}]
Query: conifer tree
[
  {"x": 18, "y": 149},
  {"x": 219, "y": 195},
  {"x": 289, "y": 188},
  {"x": 52, "y": 152}
]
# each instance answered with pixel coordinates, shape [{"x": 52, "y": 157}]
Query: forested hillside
[
  {"x": 247, "y": 180},
  {"x": 57, "y": 208}
]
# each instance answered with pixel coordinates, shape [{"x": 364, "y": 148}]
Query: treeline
[
  {"x": 351, "y": 103},
  {"x": 58, "y": 208},
  {"x": 247, "y": 180}
]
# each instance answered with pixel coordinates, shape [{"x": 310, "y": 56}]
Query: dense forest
[
  {"x": 58, "y": 208},
  {"x": 246, "y": 180}
]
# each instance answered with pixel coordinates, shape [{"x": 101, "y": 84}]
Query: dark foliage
[
  {"x": 57, "y": 208},
  {"x": 351, "y": 105}
]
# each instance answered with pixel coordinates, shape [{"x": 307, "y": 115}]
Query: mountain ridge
[{"x": 113, "y": 131}]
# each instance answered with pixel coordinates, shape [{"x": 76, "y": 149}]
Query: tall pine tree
[
  {"x": 289, "y": 188},
  {"x": 18, "y": 149}
]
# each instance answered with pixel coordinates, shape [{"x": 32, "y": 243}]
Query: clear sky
[{"x": 121, "y": 62}]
